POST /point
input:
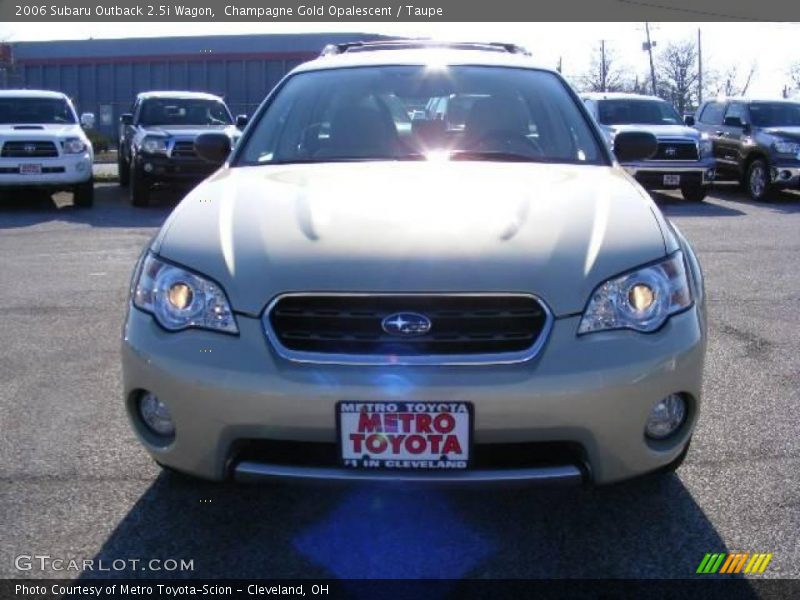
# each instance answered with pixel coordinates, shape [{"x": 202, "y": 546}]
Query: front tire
[
  {"x": 694, "y": 193},
  {"x": 757, "y": 180},
  {"x": 139, "y": 189},
  {"x": 83, "y": 194},
  {"x": 123, "y": 170}
]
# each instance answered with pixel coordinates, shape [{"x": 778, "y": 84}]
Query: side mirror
[
  {"x": 241, "y": 121},
  {"x": 87, "y": 120},
  {"x": 213, "y": 147},
  {"x": 689, "y": 120},
  {"x": 733, "y": 122},
  {"x": 126, "y": 118},
  {"x": 634, "y": 145}
]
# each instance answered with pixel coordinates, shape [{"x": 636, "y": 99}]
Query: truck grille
[
  {"x": 184, "y": 149},
  {"x": 464, "y": 328},
  {"x": 32, "y": 149},
  {"x": 676, "y": 150}
]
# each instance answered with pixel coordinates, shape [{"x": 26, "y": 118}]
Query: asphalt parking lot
[{"x": 74, "y": 482}]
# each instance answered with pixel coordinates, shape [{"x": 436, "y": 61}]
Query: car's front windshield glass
[
  {"x": 183, "y": 111},
  {"x": 419, "y": 112},
  {"x": 775, "y": 114},
  {"x": 636, "y": 112},
  {"x": 40, "y": 111}
]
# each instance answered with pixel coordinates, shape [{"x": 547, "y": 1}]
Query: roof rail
[{"x": 334, "y": 49}]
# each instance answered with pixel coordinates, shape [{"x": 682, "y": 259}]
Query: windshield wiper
[
  {"x": 336, "y": 159},
  {"x": 500, "y": 155}
]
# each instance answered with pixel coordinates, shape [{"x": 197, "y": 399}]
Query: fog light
[
  {"x": 148, "y": 168},
  {"x": 786, "y": 175},
  {"x": 156, "y": 415},
  {"x": 666, "y": 417}
]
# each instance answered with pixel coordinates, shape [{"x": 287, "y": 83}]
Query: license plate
[
  {"x": 672, "y": 179},
  {"x": 30, "y": 169},
  {"x": 405, "y": 435}
]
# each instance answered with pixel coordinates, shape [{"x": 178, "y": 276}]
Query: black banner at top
[{"x": 396, "y": 10}]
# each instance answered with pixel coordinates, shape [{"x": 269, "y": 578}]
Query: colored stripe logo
[{"x": 737, "y": 562}]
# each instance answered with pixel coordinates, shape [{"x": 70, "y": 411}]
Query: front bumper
[
  {"x": 650, "y": 173},
  {"x": 785, "y": 175},
  {"x": 58, "y": 172},
  {"x": 164, "y": 169},
  {"x": 593, "y": 391}
]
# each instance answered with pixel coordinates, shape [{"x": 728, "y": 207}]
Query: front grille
[
  {"x": 45, "y": 170},
  {"x": 30, "y": 149},
  {"x": 460, "y": 325},
  {"x": 184, "y": 149},
  {"x": 676, "y": 150},
  {"x": 520, "y": 455}
]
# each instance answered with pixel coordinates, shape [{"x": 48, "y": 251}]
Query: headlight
[
  {"x": 705, "y": 146},
  {"x": 179, "y": 299},
  {"x": 154, "y": 145},
  {"x": 642, "y": 299},
  {"x": 782, "y": 147},
  {"x": 74, "y": 146}
]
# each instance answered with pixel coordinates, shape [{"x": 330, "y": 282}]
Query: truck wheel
[
  {"x": 694, "y": 193},
  {"x": 139, "y": 190},
  {"x": 83, "y": 194},
  {"x": 757, "y": 180},
  {"x": 123, "y": 170}
]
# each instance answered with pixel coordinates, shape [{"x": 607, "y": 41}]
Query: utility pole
[
  {"x": 648, "y": 45},
  {"x": 699, "y": 69},
  {"x": 602, "y": 65}
]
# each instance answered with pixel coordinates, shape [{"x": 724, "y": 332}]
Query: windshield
[
  {"x": 636, "y": 112},
  {"x": 774, "y": 114},
  {"x": 184, "y": 111},
  {"x": 414, "y": 112},
  {"x": 41, "y": 111}
]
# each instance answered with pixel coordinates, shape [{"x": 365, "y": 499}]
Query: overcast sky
[{"x": 771, "y": 46}]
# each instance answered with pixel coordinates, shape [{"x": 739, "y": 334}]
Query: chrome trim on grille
[
  {"x": 250, "y": 471},
  {"x": 503, "y": 358}
]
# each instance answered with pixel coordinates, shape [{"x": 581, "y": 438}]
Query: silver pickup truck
[{"x": 684, "y": 159}]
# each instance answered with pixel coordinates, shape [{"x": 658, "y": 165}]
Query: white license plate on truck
[
  {"x": 672, "y": 179},
  {"x": 405, "y": 435},
  {"x": 30, "y": 169}
]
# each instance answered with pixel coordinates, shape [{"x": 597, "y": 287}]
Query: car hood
[
  {"x": 33, "y": 131},
  {"x": 660, "y": 131},
  {"x": 553, "y": 230},
  {"x": 788, "y": 132},
  {"x": 188, "y": 130}
]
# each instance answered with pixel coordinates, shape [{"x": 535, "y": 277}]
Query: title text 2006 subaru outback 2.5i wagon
[{"x": 357, "y": 294}]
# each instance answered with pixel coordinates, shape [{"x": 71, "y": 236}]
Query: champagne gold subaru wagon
[{"x": 421, "y": 262}]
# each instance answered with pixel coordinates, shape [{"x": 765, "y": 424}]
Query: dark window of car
[
  {"x": 183, "y": 111},
  {"x": 738, "y": 110},
  {"x": 712, "y": 113},
  {"x": 624, "y": 111},
  {"x": 775, "y": 114},
  {"x": 498, "y": 113},
  {"x": 43, "y": 111}
]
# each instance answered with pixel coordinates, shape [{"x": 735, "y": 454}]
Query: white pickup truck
[{"x": 42, "y": 145}]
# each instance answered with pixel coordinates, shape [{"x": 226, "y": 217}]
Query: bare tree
[
  {"x": 604, "y": 73},
  {"x": 676, "y": 69},
  {"x": 730, "y": 81},
  {"x": 794, "y": 73}
]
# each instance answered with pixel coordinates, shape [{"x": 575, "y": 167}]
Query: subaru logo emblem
[
  {"x": 29, "y": 148},
  {"x": 670, "y": 150},
  {"x": 406, "y": 324}
]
